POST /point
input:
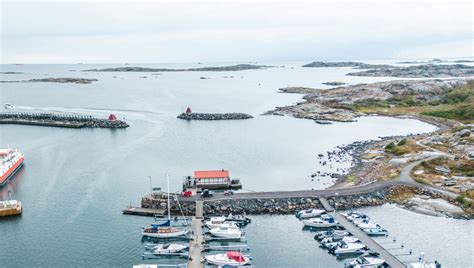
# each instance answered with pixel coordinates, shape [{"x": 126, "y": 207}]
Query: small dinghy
[
  {"x": 227, "y": 231},
  {"x": 376, "y": 231},
  {"x": 167, "y": 248},
  {"x": 363, "y": 261},
  {"x": 310, "y": 213},
  {"x": 347, "y": 248},
  {"x": 230, "y": 258},
  {"x": 324, "y": 221}
]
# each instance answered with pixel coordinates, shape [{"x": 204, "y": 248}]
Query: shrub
[
  {"x": 460, "y": 199},
  {"x": 390, "y": 146},
  {"x": 402, "y": 142}
]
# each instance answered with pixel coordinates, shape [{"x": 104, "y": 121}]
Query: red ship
[{"x": 11, "y": 161}]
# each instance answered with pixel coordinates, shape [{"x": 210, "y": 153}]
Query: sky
[{"x": 232, "y": 31}]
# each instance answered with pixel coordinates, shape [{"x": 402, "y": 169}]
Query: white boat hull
[
  {"x": 221, "y": 260},
  {"x": 352, "y": 248},
  {"x": 319, "y": 224},
  {"x": 224, "y": 234},
  {"x": 165, "y": 235}
]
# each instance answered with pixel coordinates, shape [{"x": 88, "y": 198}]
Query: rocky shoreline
[
  {"x": 337, "y": 104},
  {"x": 54, "y": 80},
  {"x": 231, "y": 68},
  {"x": 214, "y": 116},
  {"x": 420, "y": 71},
  {"x": 353, "y": 64}
]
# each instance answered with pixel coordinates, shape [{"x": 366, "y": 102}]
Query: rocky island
[
  {"x": 353, "y": 64},
  {"x": 54, "y": 80},
  {"x": 238, "y": 67},
  {"x": 214, "y": 116},
  {"x": 420, "y": 71}
]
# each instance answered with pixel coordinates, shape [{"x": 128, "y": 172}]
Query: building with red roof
[{"x": 204, "y": 178}]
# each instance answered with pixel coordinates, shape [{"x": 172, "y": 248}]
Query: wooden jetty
[
  {"x": 195, "y": 245},
  {"x": 363, "y": 237},
  {"x": 143, "y": 211}
]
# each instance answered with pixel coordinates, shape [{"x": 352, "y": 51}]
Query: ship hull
[{"x": 11, "y": 172}]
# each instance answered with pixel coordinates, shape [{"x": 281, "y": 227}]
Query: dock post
[{"x": 195, "y": 245}]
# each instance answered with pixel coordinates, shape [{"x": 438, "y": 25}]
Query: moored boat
[
  {"x": 365, "y": 262},
  {"x": 376, "y": 231},
  {"x": 321, "y": 222},
  {"x": 309, "y": 213},
  {"x": 227, "y": 231},
  {"x": 11, "y": 161},
  {"x": 347, "y": 248},
  {"x": 10, "y": 208},
  {"x": 212, "y": 224},
  {"x": 230, "y": 258},
  {"x": 329, "y": 233},
  {"x": 167, "y": 248}
]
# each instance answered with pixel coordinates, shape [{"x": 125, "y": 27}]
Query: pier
[
  {"x": 143, "y": 211},
  {"x": 363, "y": 237},
  {"x": 61, "y": 120},
  {"x": 195, "y": 245}
]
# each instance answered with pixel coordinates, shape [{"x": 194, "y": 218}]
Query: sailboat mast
[{"x": 168, "y": 183}]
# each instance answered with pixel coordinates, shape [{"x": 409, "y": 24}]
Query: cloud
[{"x": 182, "y": 31}]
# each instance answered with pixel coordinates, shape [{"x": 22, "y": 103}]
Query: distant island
[
  {"x": 335, "y": 83},
  {"x": 238, "y": 67},
  {"x": 10, "y": 72},
  {"x": 54, "y": 80},
  {"x": 420, "y": 71},
  {"x": 353, "y": 64}
]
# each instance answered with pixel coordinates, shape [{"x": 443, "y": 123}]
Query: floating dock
[
  {"x": 363, "y": 237},
  {"x": 143, "y": 211},
  {"x": 195, "y": 245}
]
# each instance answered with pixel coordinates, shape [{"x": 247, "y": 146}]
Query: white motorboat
[
  {"x": 365, "y": 262},
  {"x": 167, "y": 248},
  {"x": 157, "y": 231},
  {"x": 347, "y": 239},
  {"x": 310, "y": 213},
  {"x": 330, "y": 233},
  {"x": 322, "y": 222},
  {"x": 368, "y": 225},
  {"x": 230, "y": 258},
  {"x": 217, "y": 224},
  {"x": 376, "y": 232},
  {"x": 8, "y": 106},
  {"x": 226, "y": 231},
  {"x": 347, "y": 248}
]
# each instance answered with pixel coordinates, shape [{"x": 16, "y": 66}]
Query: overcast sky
[{"x": 239, "y": 31}]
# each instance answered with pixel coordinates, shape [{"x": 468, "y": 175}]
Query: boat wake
[{"x": 76, "y": 110}]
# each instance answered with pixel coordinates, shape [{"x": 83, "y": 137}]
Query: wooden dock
[
  {"x": 143, "y": 211},
  {"x": 195, "y": 245},
  {"x": 362, "y": 236}
]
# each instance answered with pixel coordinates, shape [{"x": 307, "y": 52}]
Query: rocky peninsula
[
  {"x": 344, "y": 104},
  {"x": 214, "y": 116},
  {"x": 54, "y": 80},
  {"x": 353, "y": 64},
  {"x": 231, "y": 68},
  {"x": 420, "y": 71}
]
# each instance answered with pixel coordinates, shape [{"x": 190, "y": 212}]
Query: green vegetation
[
  {"x": 402, "y": 147},
  {"x": 422, "y": 181},
  {"x": 456, "y": 104},
  {"x": 457, "y": 167},
  {"x": 462, "y": 200}
]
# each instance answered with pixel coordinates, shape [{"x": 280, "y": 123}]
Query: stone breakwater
[
  {"x": 269, "y": 205},
  {"x": 214, "y": 116},
  {"x": 54, "y": 80},
  {"x": 53, "y": 120}
]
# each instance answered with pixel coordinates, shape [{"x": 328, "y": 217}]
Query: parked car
[
  {"x": 207, "y": 193},
  {"x": 228, "y": 192},
  {"x": 186, "y": 194}
]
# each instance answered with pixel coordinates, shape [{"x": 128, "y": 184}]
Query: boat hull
[
  {"x": 212, "y": 259},
  {"x": 165, "y": 235},
  {"x": 11, "y": 172},
  {"x": 11, "y": 211},
  {"x": 232, "y": 235}
]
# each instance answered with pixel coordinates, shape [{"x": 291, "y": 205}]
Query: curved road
[{"x": 403, "y": 179}]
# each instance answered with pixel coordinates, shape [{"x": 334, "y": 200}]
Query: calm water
[{"x": 75, "y": 182}]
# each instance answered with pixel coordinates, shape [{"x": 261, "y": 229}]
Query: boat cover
[{"x": 235, "y": 255}]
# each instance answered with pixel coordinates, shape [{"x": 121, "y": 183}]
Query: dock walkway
[
  {"x": 195, "y": 245},
  {"x": 362, "y": 236}
]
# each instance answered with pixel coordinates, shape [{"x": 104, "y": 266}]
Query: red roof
[{"x": 204, "y": 174}]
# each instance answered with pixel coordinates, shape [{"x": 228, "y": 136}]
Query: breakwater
[
  {"x": 214, "y": 116},
  {"x": 60, "y": 120}
]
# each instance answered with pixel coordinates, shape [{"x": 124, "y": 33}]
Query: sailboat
[{"x": 156, "y": 231}]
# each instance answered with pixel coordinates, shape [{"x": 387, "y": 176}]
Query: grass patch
[
  {"x": 351, "y": 178},
  {"x": 422, "y": 181},
  {"x": 402, "y": 147}
]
